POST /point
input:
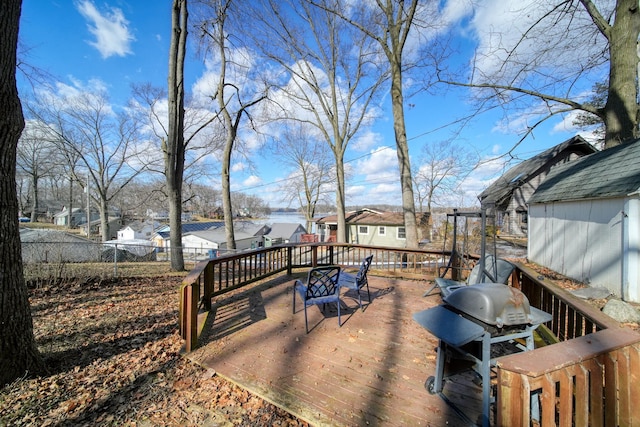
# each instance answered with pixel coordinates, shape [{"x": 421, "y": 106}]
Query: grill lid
[{"x": 492, "y": 303}]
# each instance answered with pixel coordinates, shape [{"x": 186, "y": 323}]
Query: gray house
[
  {"x": 584, "y": 220},
  {"x": 507, "y": 197}
]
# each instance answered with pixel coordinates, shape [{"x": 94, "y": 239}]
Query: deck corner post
[{"x": 289, "y": 259}]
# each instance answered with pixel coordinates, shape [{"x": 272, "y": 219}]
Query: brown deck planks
[{"x": 370, "y": 371}]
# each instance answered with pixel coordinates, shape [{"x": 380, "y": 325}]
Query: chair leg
[
  {"x": 294, "y": 299},
  {"x": 339, "y": 322},
  {"x": 306, "y": 324}
]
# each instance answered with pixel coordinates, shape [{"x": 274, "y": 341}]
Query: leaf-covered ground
[{"x": 113, "y": 352}]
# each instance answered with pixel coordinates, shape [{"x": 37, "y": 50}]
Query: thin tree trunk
[
  {"x": 18, "y": 351},
  {"x": 340, "y": 201},
  {"x": 226, "y": 192}
]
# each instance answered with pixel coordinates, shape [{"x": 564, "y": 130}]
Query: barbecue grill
[{"x": 471, "y": 321}]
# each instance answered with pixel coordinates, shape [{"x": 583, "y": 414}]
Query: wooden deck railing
[
  {"x": 589, "y": 378},
  {"x": 219, "y": 275}
]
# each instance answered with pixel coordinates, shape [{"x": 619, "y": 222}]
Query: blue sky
[{"x": 119, "y": 42}]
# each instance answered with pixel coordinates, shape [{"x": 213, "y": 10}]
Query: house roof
[
  {"x": 366, "y": 217},
  {"x": 614, "y": 172},
  {"x": 502, "y": 188},
  {"x": 218, "y": 235},
  {"x": 284, "y": 230},
  {"x": 29, "y": 235},
  {"x": 188, "y": 227}
]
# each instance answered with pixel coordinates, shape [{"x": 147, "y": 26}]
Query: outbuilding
[{"x": 584, "y": 220}]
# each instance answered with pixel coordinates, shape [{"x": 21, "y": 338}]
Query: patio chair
[
  {"x": 356, "y": 282},
  {"x": 495, "y": 271},
  {"x": 321, "y": 288}
]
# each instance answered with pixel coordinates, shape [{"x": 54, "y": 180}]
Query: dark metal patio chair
[
  {"x": 321, "y": 288},
  {"x": 356, "y": 282}
]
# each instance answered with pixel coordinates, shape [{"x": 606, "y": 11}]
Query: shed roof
[
  {"x": 502, "y": 187},
  {"x": 614, "y": 172}
]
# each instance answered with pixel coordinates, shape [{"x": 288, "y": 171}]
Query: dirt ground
[{"x": 113, "y": 353}]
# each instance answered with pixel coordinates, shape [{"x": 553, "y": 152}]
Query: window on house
[
  {"x": 382, "y": 231},
  {"x": 402, "y": 233},
  {"x": 363, "y": 229}
]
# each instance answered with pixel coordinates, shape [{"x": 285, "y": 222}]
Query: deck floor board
[{"x": 370, "y": 371}]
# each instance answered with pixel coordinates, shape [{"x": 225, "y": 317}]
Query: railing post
[
  {"x": 191, "y": 318},
  {"x": 314, "y": 256},
  {"x": 289, "y": 259},
  {"x": 208, "y": 285}
]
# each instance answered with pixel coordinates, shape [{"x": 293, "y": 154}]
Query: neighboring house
[
  {"x": 200, "y": 242},
  {"x": 584, "y": 221},
  {"x": 507, "y": 197},
  {"x": 78, "y": 217},
  {"x": 161, "y": 237},
  {"x": 138, "y": 230},
  {"x": 368, "y": 227},
  {"x": 282, "y": 232}
]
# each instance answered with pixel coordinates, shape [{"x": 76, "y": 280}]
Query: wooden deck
[{"x": 370, "y": 371}]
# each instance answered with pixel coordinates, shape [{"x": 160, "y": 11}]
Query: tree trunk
[
  {"x": 34, "y": 191},
  {"x": 402, "y": 150},
  {"x": 18, "y": 351},
  {"x": 226, "y": 192},
  {"x": 174, "y": 146},
  {"x": 621, "y": 110},
  {"x": 340, "y": 207},
  {"x": 104, "y": 220}
]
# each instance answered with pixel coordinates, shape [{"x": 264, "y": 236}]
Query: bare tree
[
  {"x": 544, "y": 65},
  {"x": 18, "y": 351},
  {"x": 313, "y": 177},
  {"x": 441, "y": 168},
  {"x": 333, "y": 72},
  {"x": 36, "y": 159},
  {"x": 104, "y": 142},
  {"x": 233, "y": 102},
  {"x": 389, "y": 23},
  {"x": 174, "y": 147}
]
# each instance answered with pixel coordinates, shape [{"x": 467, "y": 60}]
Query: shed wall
[{"x": 582, "y": 240}]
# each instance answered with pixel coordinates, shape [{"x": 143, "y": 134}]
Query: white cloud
[
  {"x": 111, "y": 31},
  {"x": 252, "y": 181},
  {"x": 366, "y": 140},
  {"x": 238, "y": 167}
]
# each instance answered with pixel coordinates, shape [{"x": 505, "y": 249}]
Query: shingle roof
[
  {"x": 613, "y": 172},
  {"x": 501, "y": 189},
  {"x": 284, "y": 229},
  {"x": 367, "y": 217}
]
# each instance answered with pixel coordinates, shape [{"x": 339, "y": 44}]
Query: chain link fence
[{"x": 56, "y": 261}]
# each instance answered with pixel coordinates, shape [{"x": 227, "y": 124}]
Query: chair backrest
[
  {"x": 496, "y": 270},
  {"x": 364, "y": 268},
  {"x": 504, "y": 270},
  {"x": 322, "y": 281}
]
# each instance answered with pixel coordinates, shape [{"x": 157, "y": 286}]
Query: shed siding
[{"x": 580, "y": 239}]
